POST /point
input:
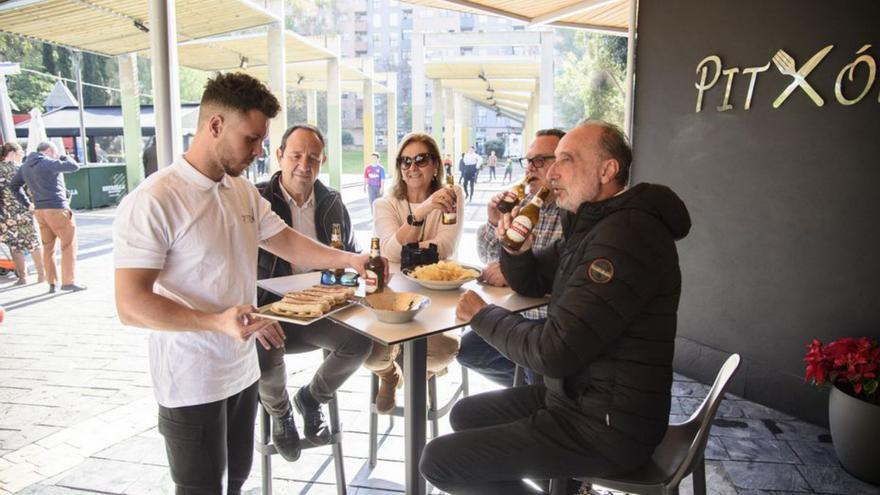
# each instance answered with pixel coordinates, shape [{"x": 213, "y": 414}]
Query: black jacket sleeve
[
  {"x": 531, "y": 274},
  {"x": 584, "y": 316}
]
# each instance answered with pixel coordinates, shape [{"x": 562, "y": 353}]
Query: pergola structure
[
  {"x": 615, "y": 17},
  {"x": 169, "y": 31},
  {"x": 519, "y": 87}
]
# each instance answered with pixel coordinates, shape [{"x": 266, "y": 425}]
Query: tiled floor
[{"x": 77, "y": 414}]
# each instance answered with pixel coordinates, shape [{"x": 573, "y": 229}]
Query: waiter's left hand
[{"x": 469, "y": 304}]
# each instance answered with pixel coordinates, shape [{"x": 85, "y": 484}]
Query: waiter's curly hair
[{"x": 240, "y": 92}]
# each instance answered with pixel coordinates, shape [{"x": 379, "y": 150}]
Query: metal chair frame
[{"x": 265, "y": 448}]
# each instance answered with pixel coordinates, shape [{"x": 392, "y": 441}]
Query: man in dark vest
[
  {"x": 605, "y": 349},
  {"x": 310, "y": 208}
]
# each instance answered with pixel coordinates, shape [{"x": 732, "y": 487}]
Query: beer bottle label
[
  {"x": 335, "y": 238},
  {"x": 449, "y": 217},
  {"x": 509, "y": 197},
  {"x": 371, "y": 282},
  {"x": 520, "y": 228},
  {"x": 537, "y": 201}
]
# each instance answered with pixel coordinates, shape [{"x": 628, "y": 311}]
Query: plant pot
[{"x": 855, "y": 434}]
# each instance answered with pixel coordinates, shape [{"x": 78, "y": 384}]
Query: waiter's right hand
[{"x": 238, "y": 323}]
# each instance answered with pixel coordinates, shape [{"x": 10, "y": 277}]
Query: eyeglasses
[
  {"x": 421, "y": 160},
  {"x": 350, "y": 279},
  {"x": 538, "y": 161}
]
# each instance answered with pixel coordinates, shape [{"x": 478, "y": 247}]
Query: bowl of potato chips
[{"x": 443, "y": 275}]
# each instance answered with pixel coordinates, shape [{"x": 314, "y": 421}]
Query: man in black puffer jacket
[
  {"x": 311, "y": 208},
  {"x": 605, "y": 348}
]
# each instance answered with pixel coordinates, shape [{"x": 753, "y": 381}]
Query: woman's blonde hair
[
  {"x": 8, "y": 148},
  {"x": 399, "y": 189}
]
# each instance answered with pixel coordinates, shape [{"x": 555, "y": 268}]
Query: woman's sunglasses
[
  {"x": 349, "y": 279},
  {"x": 421, "y": 160}
]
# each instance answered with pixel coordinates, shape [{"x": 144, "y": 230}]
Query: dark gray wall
[{"x": 786, "y": 239}]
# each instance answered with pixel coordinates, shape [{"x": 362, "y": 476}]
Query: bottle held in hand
[
  {"x": 521, "y": 226},
  {"x": 336, "y": 243},
  {"x": 514, "y": 195},
  {"x": 375, "y": 269},
  {"x": 450, "y": 218}
]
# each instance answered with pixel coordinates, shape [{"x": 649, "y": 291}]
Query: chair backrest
[{"x": 700, "y": 422}]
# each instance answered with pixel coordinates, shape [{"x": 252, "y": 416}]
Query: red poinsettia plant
[{"x": 851, "y": 364}]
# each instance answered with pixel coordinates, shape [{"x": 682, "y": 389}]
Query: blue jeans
[{"x": 476, "y": 354}]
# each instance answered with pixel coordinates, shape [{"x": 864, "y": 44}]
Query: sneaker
[
  {"x": 73, "y": 287},
  {"x": 316, "y": 429},
  {"x": 285, "y": 437}
]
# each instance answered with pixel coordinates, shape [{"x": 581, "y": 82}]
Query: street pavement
[{"x": 77, "y": 414}]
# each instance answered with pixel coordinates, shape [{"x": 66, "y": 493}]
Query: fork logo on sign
[{"x": 859, "y": 74}]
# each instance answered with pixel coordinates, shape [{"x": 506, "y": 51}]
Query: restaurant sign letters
[{"x": 860, "y": 73}]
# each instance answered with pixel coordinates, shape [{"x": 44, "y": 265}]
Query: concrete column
[
  {"x": 418, "y": 82},
  {"x": 334, "y": 116},
  {"x": 630, "y": 69},
  {"x": 545, "y": 111},
  {"x": 368, "y": 113},
  {"x": 449, "y": 127},
  {"x": 166, "y": 87},
  {"x": 131, "y": 119},
  {"x": 437, "y": 112},
  {"x": 7, "y": 126},
  {"x": 391, "y": 112},
  {"x": 312, "y": 107},
  {"x": 467, "y": 138},
  {"x": 277, "y": 59},
  {"x": 459, "y": 141}
]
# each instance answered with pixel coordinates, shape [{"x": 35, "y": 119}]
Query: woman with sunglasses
[{"x": 412, "y": 213}]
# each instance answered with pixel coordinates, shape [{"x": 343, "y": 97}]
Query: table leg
[{"x": 415, "y": 354}]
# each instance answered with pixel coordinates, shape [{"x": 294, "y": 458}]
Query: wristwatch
[{"x": 411, "y": 220}]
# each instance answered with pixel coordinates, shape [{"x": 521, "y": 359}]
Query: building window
[{"x": 377, "y": 20}]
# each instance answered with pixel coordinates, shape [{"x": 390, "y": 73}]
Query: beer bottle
[
  {"x": 450, "y": 218},
  {"x": 336, "y": 243},
  {"x": 375, "y": 269},
  {"x": 513, "y": 196},
  {"x": 521, "y": 226}
]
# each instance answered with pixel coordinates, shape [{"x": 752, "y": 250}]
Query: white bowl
[
  {"x": 396, "y": 307},
  {"x": 443, "y": 284}
]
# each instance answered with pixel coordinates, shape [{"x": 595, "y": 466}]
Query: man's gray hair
[
  {"x": 615, "y": 145},
  {"x": 45, "y": 145}
]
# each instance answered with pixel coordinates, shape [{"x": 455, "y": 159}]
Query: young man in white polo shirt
[{"x": 186, "y": 244}]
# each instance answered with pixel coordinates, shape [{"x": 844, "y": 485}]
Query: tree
[
  {"x": 591, "y": 82},
  {"x": 496, "y": 145}
]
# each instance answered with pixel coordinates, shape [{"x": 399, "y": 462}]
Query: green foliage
[
  {"x": 27, "y": 90},
  {"x": 347, "y": 138},
  {"x": 591, "y": 83},
  {"x": 496, "y": 145}
]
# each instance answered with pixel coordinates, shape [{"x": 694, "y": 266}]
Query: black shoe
[
  {"x": 51, "y": 288},
  {"x": 317, "y": 430},
  {"x": 285, "y": 437},
  {"x": 73, "y": 287}
]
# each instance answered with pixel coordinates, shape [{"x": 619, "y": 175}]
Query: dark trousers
[
  {"x": 476, "y": 354},
  {"x": 469, "y": 180},
  {"x": 491, "y": 173},
  {"x": 504, "y": 436},
  {"x": 373, "y": 192},
  {"x": 348, "y": 351},
  {"x": 202, "y": 440}
]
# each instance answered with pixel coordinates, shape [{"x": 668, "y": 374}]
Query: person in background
[
  {"x": 43, "y": 173},
  {"x": 310, "y": 208},
  {"x": 471, "y": 163},
  {"x": 412, "y": 213},
  {"x": 185, "y": 248},
  {"x": 475, "y": 353},
  {"x": 447, "y": 164},
  {"x": 374, "y": 179},
  {"x": 461, "y": 170},
  {"x": 605, "y": 349},
  {"x": 17, "y": 227},
  {"x": 508, "y": 171},
  {"x": 492, "y": 162}
]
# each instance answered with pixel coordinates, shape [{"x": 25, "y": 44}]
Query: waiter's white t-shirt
[{"x": 203, "y": 236}]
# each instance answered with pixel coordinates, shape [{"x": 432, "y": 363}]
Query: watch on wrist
[{"x": 411, "y": 220}]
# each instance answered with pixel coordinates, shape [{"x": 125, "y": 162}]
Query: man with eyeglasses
[
  {"x": 476, "y": 353},
  {"x": 310, "y": 208}
]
